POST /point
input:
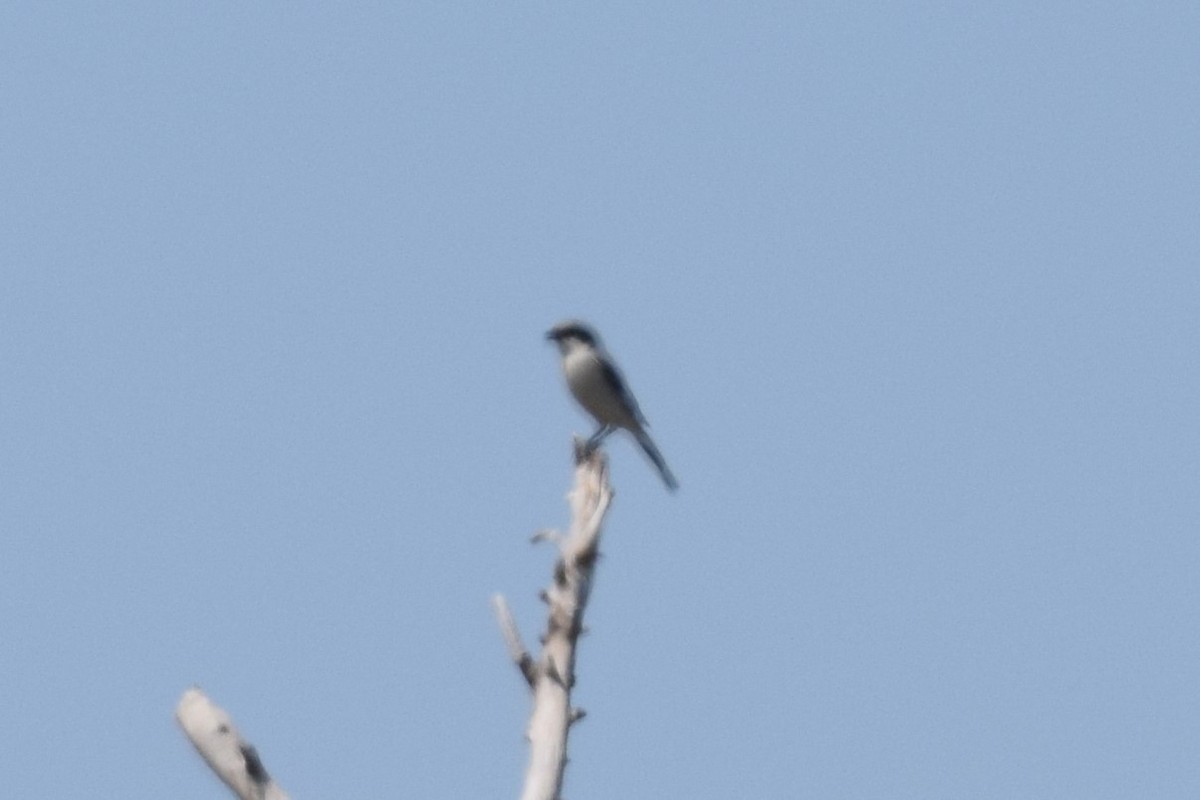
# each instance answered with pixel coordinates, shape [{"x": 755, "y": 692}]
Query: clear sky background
[{"x": 910, "y": 293}]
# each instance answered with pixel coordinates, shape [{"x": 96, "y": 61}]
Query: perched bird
[{"x": 597, "y": 384}]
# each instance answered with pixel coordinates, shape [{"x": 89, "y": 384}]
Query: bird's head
[{"x": 571, "y": 334}]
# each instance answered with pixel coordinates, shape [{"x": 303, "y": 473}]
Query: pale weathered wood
[
  {"x": 552, "y": 677},
  {"x": 211, "y": 730}
]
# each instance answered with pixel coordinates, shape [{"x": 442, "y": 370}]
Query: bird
[{"x": 598, "y": 386}]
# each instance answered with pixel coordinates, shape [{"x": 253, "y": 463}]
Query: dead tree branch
[
  {"x": 552, "y": 677},
  {"x": 211, "y": 731}
]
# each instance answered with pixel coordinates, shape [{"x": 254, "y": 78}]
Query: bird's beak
[{"x": 551, "y": 335}]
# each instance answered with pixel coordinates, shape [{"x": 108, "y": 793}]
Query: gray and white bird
[{"x": 598, "y": 385}]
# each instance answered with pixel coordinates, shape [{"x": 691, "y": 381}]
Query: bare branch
[
  {"x": 211, "y": 731},
  {"x": 567, "y": 598},
  {"x": 512, "y": 638}
]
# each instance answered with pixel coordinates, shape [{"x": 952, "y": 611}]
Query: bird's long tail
[{"x": 661, "y": 463}]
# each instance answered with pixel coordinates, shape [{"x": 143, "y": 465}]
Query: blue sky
[{"x": 909, "y": 293}]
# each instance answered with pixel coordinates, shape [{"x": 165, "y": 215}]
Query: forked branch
[{"x": 552, "y": 676}]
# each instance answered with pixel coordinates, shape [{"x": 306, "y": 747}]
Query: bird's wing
[{"x": 613, "y": 377}]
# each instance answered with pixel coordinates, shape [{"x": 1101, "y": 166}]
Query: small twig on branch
[
  {"x": 235, "y": 761},
  {"x": 512, "y": 638},
  {"x": 545, "y": 535}
]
